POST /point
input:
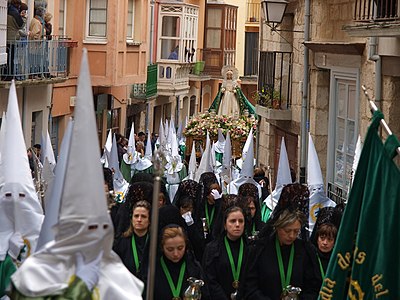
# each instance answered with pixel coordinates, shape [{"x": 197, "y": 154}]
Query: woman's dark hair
[
  {"x": 143, "y": 204},
  {"x": 328, "y": 230},
  {"x": 186, "y": 202},
  {"x": 230, "y": 210},
  {"x": 248, "y": 189}
]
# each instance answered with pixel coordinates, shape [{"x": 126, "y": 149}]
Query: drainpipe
[
  {"x": 304, "y": 102},
  {"x": 374, "y": 56}
]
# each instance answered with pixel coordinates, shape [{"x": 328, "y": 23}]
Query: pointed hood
[
  {"x": 83, "y": 205},
  {"x": 130, "y": 157},
  {"x": 107, "y": 150},
  {"x": 227, "y": 158},
  {"x": 48, "y": 152},
  {"x": 166, "y": 130},
  {"x": 220, "y": 144},
  {"x": 192, "y": 163},
  {"x": 120, "y": 185},
  {"x": 213, "y": 161},
  {"x": 246, "y": 146},
  {"x": 20, "y": 210},
  {"x": 84, "y": 224},
  {"x": 114, "y": 163},
  {"x": 54, "y": 193},
  {"x": 226, "y": 171},
  {"x": 180, "y": 130},
  {"x": 174, "y": 161},
  {"x": 315, "y": 184},
  {"x": 149, "y": 151},
  {"x": 174, "y": 145},
  {"x": 205, "y": 160},
  {"x": 283, "y": 177},
  {"x": 247, "y": 171},
  {"x": 314, "y": 175},
  {"x": 161, "y": 135}
]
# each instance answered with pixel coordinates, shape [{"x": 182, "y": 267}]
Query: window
[
  {"x": 170, "y": 36},
  {"x": 274, "y": 79},
  {"x": 130, "y": 20},
  {"x": 178, "y": 28},
  {"x": 251, "y": 53},
  {"x": 62, "y": 17},
  {"x": 343, "y": 132},
  {"x": 214, "y": 30},
  {"x": 97, "y": 19}
]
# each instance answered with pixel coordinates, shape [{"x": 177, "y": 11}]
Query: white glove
[
  {"x": 15, "y": 246},
  {"x": 88, "y": 272},
  {"x": 216, "y": 195},
  {"x": 188, "y": 218}
]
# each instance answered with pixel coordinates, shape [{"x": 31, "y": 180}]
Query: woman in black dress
[
  {"x": 282, "y": 257},
  {"x": 225, "y": 257},
  {"x": 133, "y": 246},
  {"x": 175, "y": 266}
]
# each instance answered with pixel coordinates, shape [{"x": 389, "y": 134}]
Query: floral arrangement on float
[{"x": 238, "y": 126}]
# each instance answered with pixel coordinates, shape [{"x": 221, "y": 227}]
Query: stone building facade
[{"x": 346, "y": 50}]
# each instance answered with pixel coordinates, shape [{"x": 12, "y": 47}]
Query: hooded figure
[
  {"x": 283, "y": 178},
  {"x": 226, "y": 172},
  {"x": 48, "y": 152},
  {"x": 247, "y": 171},
  {"x": 205, "y": 165},
  {"x": 130, "y": 157},
  {"x": 21, "y": 214},
  {"x": 192, "y": 163},
  {"x": 84, "y": 232},
  {"x": 219, "y": 146},
  {"x": 174, "y": 169},
  {"x": 107, "y": 150},
  {"x": 315, "y": 184},
  {"x": 119, "y": 183}
]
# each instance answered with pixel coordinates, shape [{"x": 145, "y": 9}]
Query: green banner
[{"x": 366, "y": 257}]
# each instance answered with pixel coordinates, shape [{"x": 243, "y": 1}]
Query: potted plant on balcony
[{"x": 267, "y": 97}]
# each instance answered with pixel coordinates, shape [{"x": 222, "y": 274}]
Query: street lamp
[{"x": 274, "y": 11}]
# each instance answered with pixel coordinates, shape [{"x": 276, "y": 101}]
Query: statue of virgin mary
[{"x": 230, "y": 99}]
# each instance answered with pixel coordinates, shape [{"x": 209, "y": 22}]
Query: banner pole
[{"x": 374, "y": 108}]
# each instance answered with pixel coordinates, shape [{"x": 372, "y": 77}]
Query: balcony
[
  {"x": 34, "y": 62},
  {"x": 253, "y": 11},
  {"x": 375, "y": 18},
  {"x": 173, "y": 78},
  {"x": 215, "y": 59}
]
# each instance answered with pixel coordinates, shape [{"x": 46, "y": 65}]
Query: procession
[
  {"x": 219, "y": 232},
  {"x": 225, "y": 150}
]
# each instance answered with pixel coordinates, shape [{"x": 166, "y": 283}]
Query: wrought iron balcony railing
[
  {"x": 36, "y": 59},
  {"x": 376, "y": 10}
]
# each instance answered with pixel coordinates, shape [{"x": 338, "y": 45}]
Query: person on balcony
[
  {"x": 14, "y": 24},
  {"x": 36, "y": 49},
  {"x": 174, "y": 53},
  {"x": 230, "y": 99}
]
